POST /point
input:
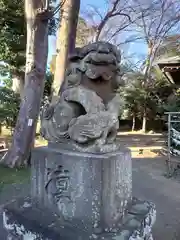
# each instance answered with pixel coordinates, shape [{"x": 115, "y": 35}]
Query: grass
[{"x": 10, "y": 176}]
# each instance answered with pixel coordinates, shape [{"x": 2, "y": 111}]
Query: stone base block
[
  {"x": 24, "y": 220},
  {"x": 94, "y": 188}
]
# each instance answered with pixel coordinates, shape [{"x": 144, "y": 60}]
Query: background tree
[
  {"x": 173, "y": 103},
  {"x": 84, "y": 32},
  {"x": 66, "y": 38},
  {"x": 136, "y": 97},
  {"x": 82, "y": 38},
  {"x": 13, "y": 42},
  {"x": 157, "y": 19},
  {"x": 48, "y": 85},
  {"x": 9, "y": 107},
  {"x": 131, "y": 105}
]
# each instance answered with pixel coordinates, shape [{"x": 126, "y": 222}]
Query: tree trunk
[
  {"x": 65, "y": 41},
  {"x": 133, "y": 122},
  {"x": 18, "y": 84},
  {"x": 0, "y": 128},
  {"x": 144, "y": 121},
  {"x": 36, "y": 60},
  {"x": 73, "y": 25}
]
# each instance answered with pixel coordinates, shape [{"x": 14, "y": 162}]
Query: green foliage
[
  {"x": 83, "y": 32},
  {"x": 12, "y": 35},
  {"x": 6, "y": 82},
  {"x": 150, "y": 98},
  {"x": 9, "y": 106},
  {"x": 132, "y": 96},
  {"x": 173, "y": 103},
  {"x": 10, "y": 101},
  {"x": 48, "y": 84}
]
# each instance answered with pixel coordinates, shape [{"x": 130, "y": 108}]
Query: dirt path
[
  {"x": 143, "y": 145},
  {"x": 149, "y": 183}
]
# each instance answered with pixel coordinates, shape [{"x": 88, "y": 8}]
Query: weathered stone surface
[
  {"x": 24, "y": 220},
  {"x": 93, "y": 188},
  {"x": 87, "y": 111}
]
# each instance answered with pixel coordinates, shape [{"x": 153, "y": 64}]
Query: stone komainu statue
[{"x": 86, "y": 113}]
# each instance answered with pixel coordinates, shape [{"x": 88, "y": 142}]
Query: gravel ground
[{"x": 148, "y": 183}]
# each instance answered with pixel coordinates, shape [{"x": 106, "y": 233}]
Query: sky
[{"x": 136, "y": 49}]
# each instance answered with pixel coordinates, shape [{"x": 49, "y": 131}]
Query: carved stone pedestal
[
  {"x": 80, "y": 196},
  {"x": 92, "y": 188}
]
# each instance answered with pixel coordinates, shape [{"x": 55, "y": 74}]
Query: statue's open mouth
[{"x": 99, "y": 80}]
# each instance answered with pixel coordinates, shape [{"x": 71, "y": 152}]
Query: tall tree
[
  {"x": 66, "y": 39},
  {"x": 137, "y": 98},
  {"x": 37, "y": 16},
  {"x": 82, "y": 38},
  {"x": 13, "y": 42},
  {"x": 157, "y": 20}
]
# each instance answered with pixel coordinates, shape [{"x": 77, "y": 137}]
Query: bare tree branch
[
  {"x": 129, "y": 40},
  {"x": 114, "y": 10},
  {"x": 96, "y": 11}
]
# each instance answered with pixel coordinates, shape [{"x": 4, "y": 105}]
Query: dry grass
[
  {"x": 39, "y": 141},
  {"x": 6, "y": 137},
  {"x": 143, "y": 145},
  {"x": 149, "y": 152}
]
